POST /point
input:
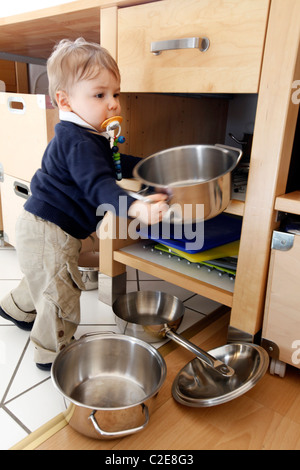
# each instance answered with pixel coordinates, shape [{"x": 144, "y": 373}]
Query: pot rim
[
  {"x": 220, "y": 147},
  {"x": 108, "y": 335},
  {"x": 87, "y": 269}
]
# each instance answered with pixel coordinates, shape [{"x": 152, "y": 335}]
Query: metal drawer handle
[{"x": 157, "y": 47}]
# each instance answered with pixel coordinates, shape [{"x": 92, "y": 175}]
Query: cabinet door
[
  {"x": 282, "y": 311},
  {"x": 27, "y": 126},
  {"x": 14, "y": 193},
  {"x": 231, "y": 64}
]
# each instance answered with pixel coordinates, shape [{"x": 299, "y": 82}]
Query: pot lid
[{"x": 198, "y": 385}]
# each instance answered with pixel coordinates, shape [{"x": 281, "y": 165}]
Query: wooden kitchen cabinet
[
  {"x": 235, "y": 31},
  {"x": 289, "y": 203},
  {"x": 265, "y": 61},
  {"x": 281, "y": 325},
  {"x": 14, "y": 75},
  {"x": 272, "y": 140}
]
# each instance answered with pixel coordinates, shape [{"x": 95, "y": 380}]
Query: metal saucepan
[
  {"x": 88, "y": 265},
  {"x": 154, "y": 315},
  {"x": 194, "y": 177},
  {"x": 111, "y": 382}
]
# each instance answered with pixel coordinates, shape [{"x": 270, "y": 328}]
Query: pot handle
[
  {"x": 125, "y": 432},
  {"x": 139, "y": 197},
  {"x": 232, "y": 149},
  {"x": 169, "y": 216},
  {"x": 204, "y": 356}
]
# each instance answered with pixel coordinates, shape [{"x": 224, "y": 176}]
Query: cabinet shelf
[
  {"x": 201, "y": 281},
  {"x": 235, "y": 207},
  {"x": 289, "y": 203}
]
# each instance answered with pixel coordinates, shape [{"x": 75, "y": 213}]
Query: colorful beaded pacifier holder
[{"x": 109, "y": 125}]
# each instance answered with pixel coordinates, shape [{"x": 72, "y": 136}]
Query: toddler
[{"x": 77, "y": 175}]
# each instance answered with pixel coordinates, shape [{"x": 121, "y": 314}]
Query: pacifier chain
[{"x": 110, "y": 125}]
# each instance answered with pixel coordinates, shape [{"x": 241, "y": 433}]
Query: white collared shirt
[{"x": 72, "y": 117}]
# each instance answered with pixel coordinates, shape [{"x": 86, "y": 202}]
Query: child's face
[{"x": 93, "y": 100}]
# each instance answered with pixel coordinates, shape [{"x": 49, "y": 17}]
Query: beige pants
[{"x": 50, "y": 291}]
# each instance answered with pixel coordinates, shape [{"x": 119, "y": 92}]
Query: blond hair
[{"x": 72, "y": 61}]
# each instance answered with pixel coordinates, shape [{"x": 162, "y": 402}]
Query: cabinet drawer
[
  {"x": 231, "y": 64},
  {"x": 14, "y": 193},
  {"x": 282, "y": 315},
  {"x": 27, "y": 125}
]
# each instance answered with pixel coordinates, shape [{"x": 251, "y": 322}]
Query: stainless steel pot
[
  {"x": 153, "y": 316},
  {"x": 110, "y": 381},
  {"x": 88, "y": 266},
  {"x": 191, "y": 175}
]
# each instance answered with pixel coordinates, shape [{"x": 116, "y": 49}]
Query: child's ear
[{"x": 62, "y": 100}]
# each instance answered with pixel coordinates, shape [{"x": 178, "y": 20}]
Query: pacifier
[{"x": 112, "y": 123}]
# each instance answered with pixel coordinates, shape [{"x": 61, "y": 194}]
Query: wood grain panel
[
  {"x": 34, "y": 34},
  {"x": 153, "y": 122},
  {"x": 289, "y": 203},
  {"x": 236, "y": 30},
  {"x": 8, "y": 75},
  {"x": 274, "y": 130},
  {"x": 36, "y": 38},
  {"x": 282, "y": 318}
]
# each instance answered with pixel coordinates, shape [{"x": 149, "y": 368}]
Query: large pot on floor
[
  {"x": 194, "y": 177},
  {"x": 110, "y": 382}
]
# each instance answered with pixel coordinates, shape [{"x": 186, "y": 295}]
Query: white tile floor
[{"x": 28, "y": 398}]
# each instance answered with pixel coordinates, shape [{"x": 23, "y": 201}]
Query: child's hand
[{"x": 149, "y": 213}]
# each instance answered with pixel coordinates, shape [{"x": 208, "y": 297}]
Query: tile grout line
[
  {"x": 15, "y": 372},
  {"x": 16, "y": 419},
  {"x": 25, "y": 391},
  {"x": 2, "y": 405},
  {"x": 189, "y": 298},
  {"x": 198, "y": 311}
]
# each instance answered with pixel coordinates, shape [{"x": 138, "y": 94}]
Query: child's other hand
[{"x": 149, "y": 213}]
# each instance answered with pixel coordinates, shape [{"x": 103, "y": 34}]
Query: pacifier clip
[{"x": 110, "y": 125}]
